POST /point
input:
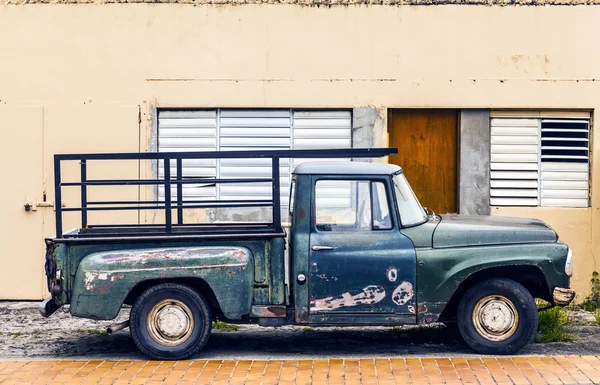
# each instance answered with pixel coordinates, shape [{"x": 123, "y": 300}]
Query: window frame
[{"x": 355, "y": 178}]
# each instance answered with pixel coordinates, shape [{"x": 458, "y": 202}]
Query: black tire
[
  {"x": 487, "y": 336},
  {"x": 178, "y": 300}
]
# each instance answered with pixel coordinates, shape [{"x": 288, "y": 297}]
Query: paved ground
[
  {"x": 25, "y": 335},
  {"x": 517, "y": 370},
  {"x": 67, "y": 350}
]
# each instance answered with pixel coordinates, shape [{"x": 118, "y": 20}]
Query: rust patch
[
  {"x": 239, "y": 253},
  {"x": 369, "y": 295},
  {"x": 427, "y": 318},
  {"x": 301, "y": 213},
  {"x": 422, "y": 308},
  {"x": 268, "y": 311},
  {"x": 117, "y": 277},
  {"x": 326, "y": 278},
  {"x": 403, "y": 293}
]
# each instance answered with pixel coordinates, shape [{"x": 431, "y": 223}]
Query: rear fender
[{"x": 104, "y": 279}]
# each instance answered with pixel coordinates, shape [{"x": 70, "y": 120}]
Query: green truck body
[{"x": 338, "y": 273}]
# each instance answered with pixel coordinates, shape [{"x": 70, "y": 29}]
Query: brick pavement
[{"x": 452, "y": 371}]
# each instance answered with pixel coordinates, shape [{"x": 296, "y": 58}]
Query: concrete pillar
[
  {"x": 474, "y": 173},
  {"x": 369, "y": 129}
]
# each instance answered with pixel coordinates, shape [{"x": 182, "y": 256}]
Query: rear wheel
[
  {"x": 170, "y": 321},
  {"x": 497, "y": 316}
]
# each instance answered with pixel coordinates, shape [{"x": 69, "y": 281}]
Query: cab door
[{"x": 362, "y": 269}]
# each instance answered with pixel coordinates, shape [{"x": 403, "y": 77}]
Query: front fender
[
  {"x": 441, "y": 271},
  {"x": 103, "y": 280}
]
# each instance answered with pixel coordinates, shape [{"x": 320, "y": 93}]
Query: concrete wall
[
  {"x": 74, "y": 78},
  {"x": 474, "y": 159}
]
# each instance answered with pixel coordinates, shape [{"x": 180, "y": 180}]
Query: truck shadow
[
  {"x": 252, "y": 342},
  {"x": 335, "y": 342}
]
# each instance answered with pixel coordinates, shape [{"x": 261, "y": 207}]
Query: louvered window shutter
[
  {"x": 248, "y": 129},
  {"x": 181, "y": 131},
  {"x": 325, "y": 129},
  {"x": 514, "y": 162},
  {"x": 539, "y": 162},
  {"x": 243, "y": 130},
  {"x": 565, "y": 163}
]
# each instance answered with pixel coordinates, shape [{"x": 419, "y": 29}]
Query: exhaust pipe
[{"x": 115, "y": 328}]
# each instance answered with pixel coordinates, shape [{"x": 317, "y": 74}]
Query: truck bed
[{"x": 173, "y": 204}]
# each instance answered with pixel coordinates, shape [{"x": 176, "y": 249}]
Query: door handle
[{"x": 319, "y": 248}]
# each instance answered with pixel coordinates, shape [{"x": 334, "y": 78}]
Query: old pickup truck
[{"x": 360, "y": 250}]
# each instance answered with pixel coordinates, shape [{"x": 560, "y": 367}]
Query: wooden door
[{"x": 427, "y": 152}]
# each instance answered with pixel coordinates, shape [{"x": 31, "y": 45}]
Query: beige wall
[{"x": 73, "y": 77}]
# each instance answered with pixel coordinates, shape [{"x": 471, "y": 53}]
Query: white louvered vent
[
  {"x": 243, "y": 130},
  {"x": 539, "y": 162},
  {"x": 321, "y": 129},
  {"x": 514, "y": 162},
  {"x": 248, "y": 129},
  {"x": 324, "y": 129},
  {"x": 181, "y": 131},
  {"x": 565, "y": 162}
]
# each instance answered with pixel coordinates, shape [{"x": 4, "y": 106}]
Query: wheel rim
[
  {"x": 495, "y": 318},
  {"x": 170, "y": 322}
]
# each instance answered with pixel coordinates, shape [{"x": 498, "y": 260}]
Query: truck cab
[
  {"x": 351, "y": 263},
  {"x": 360, "y": 250}
]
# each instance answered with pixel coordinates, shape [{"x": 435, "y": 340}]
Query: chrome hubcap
[
  {"x": 495, "y": 318},
  {"x": 170, "y": 322}
]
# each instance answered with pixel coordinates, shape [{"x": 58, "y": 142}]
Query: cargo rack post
[{"x": 167, "y": 204}]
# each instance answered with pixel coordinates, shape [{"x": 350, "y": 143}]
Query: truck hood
[{"x": 463, "y": 230}]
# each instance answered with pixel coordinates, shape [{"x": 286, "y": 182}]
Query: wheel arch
[
  {"x": 194, "y": 282},
  {"x": 530, "y": 276}
]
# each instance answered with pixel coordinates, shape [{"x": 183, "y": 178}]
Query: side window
[
  {"x": 381, "y": 208},
  {"x": 292, "y": 197},
  {"x": 351, "y": 205}
]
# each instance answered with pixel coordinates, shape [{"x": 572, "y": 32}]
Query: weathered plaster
[
  {"x": 322, "y": 3},
  {"x": 369, "y": 129},
  {"x": 474, "y": 190}
]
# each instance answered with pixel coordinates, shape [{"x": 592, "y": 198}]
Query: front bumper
[
  {"x": 562, "y": 296},
  {"x": 48, "y": 307}
]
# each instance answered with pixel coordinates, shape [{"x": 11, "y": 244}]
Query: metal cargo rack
[{"x": 173, "y": 228}]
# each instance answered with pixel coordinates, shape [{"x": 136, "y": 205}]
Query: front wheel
[
  {"x": 170, "y": 321},
  {"x": 497, "y": 316}
]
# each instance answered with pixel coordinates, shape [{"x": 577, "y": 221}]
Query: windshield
[{"x": 411, "y": 211}]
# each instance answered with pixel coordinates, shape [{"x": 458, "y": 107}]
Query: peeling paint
[
  {"x": 89, "y": 280},
  {"x": 392, "y": 274},
  {"x": 411, "y": 309},
  {"x": 142, "y": 257},
  {"x": 403, "y": 293},
  {"x": 370, "y": 295},
  {"x": 117, "y": 277}
]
